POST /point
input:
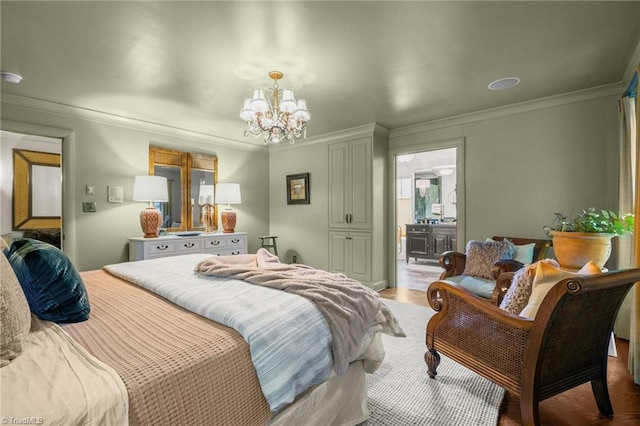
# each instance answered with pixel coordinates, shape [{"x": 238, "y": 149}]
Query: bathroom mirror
[{"x": 427, "y": 192}]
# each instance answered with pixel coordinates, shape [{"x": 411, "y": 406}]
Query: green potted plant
[{"x": 587, "y": 236}]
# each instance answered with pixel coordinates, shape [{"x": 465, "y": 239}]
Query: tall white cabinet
[{"x": 357, "y": 206}]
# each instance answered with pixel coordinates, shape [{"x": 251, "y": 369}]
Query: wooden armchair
[
  {"x": 453, "y": 263},
  {"x": 564, "y": 346}
]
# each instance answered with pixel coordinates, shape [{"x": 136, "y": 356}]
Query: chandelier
[{"x": 282, "y": 119}]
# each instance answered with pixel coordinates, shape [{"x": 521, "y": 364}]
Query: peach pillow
[{"x": 546, "y": 277}]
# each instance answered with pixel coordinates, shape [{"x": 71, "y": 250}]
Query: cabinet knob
[
  {"x": 162, "y": 247},
  {"x": 235, "y": 241},
  {"x": 235, "y": 252},
  {"x": 214, "y": 242},
  {"x": 189, "y": 245}
]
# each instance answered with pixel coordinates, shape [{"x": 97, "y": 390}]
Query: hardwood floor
[{"x": 574, "y": 407}]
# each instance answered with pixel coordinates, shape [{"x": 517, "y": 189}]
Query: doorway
[
  {"x": 31, "y": 187},
  {"x": 426, "y": 214}
]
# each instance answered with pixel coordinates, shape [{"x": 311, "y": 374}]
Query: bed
[{"x": 144, "y": 356}]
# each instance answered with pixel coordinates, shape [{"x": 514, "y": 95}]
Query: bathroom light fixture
[
  {"x": 11, "y": 77},
  {"x": 444, "y": 170},
  {"x": 284, "y": 119},
  {"x": 422, "y": 185},
  {"x": 504, "y": 83}
]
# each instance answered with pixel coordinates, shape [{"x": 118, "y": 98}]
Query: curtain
[{"x": 629, "y": 249}]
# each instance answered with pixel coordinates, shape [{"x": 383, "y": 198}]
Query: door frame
[
  {"x": 68, "y": 140},
  {"x": 459, "y": 144}
]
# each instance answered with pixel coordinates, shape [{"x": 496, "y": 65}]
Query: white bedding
[
  {"x": 55, "y": 381},
  {"x": 289, "y": 338}
]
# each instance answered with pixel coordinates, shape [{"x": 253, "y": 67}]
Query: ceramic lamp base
[
  {"x": 228, "y": 221},
  {"x": 150, "y": 220}
]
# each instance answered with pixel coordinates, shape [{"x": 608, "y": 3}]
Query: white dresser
[{"x": 172, "y": 245}]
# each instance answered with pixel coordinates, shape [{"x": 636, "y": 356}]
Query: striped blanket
[
  {"x": 350, "y": 308},
  {"x": 290, "y": 341}
]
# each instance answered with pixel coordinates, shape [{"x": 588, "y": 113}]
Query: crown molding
[
  {"x": 342, "y": 135},
  {"x": 522, "y": 107},
  {"x": 41, "y": 105}
]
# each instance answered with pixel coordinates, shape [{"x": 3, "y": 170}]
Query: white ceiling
[{"x": 190, "y": 64}]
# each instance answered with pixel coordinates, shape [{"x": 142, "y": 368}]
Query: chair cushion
[
  {"x": 546, "y": 277},
  {"x": 518, "y": 294},
  {"x": 480, "y": 286},
  {"x": 14, "y": 311},
  {"x": 482, "y": 255},
  {"x": 51, "y": 283}
]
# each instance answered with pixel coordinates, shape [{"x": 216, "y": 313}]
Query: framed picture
[{"x": 298, "y": 189}]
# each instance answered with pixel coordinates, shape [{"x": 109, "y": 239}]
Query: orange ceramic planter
[{"x": 574, "y": 249}]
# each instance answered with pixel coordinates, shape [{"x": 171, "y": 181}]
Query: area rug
[{"x": 400, "y": 392}]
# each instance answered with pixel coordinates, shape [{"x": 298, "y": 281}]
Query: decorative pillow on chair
[
  {"x": 51, "y": 283},
  {"x": 546, "y": 277},
  {"x": 482, "y": 255},
  {"x": 518, "y": 294},
  {"x": 524, "y": 253},
  {"x": 14, "y": 311}
]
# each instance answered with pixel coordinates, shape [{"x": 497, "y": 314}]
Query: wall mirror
[
  {"x": 427, "y": 196},
  {"x": 37, "y": 190},
  {"x": 190, "y": 177}
]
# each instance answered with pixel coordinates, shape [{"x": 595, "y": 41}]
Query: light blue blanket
[{"x": 289, "y": 339}]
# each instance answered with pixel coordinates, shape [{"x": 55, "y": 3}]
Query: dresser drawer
[
  {"x": 225, "y": 241},
  {"x": 161, "y": 248},
  {"x": 227, "y": 251},
  {"x": 187, "y": 246}
]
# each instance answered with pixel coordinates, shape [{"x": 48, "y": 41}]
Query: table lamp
[
  {"x": 151, "y": 189},
  {"x": 228, "y": 193}
]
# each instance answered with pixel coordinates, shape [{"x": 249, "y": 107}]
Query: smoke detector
[{"x": 11, "y": 77}]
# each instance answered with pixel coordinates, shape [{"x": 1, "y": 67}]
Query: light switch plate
[
  {"x": 88, "y": 189},
  {"x": 116, "y": 194},
  {"x": 88, "y": 207}
]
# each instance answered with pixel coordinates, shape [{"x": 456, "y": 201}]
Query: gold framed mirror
[
  {"x": 37, "y": 190},
  {"x": 186, "y": 174}
]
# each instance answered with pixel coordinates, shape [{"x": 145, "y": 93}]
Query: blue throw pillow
[{"x": 52, "y": 285}]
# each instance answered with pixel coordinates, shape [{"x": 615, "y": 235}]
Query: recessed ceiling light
[
  {"x": 10, "y": 77},
  {"x": 504, "y": 83}
]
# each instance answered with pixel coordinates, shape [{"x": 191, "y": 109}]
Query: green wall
[{"x": 96, "y": 151}]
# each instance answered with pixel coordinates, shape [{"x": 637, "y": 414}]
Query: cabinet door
[
  {"x": 361, "y": 183},
  {"x": 350, "y": 184},
  {"x": 339, "y": 252},
  {"x": 439, "y": 243},
  {"x": 360, "y": 247},
  {"x": 417, "y": 243},
  {"x": 338, "y": 183}
]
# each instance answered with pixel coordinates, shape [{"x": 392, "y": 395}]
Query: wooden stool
[{"x": 269, "y": 242}]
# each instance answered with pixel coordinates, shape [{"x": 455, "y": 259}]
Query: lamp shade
[
  {"x": 228, "y": 193},
  {"x": 150, "y": 188},
  {"x": 205, "y": 194}
]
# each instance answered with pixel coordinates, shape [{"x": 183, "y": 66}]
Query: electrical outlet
[
  {"x": 88, "y": 207},
  {"x": 295, "y": 259}
]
